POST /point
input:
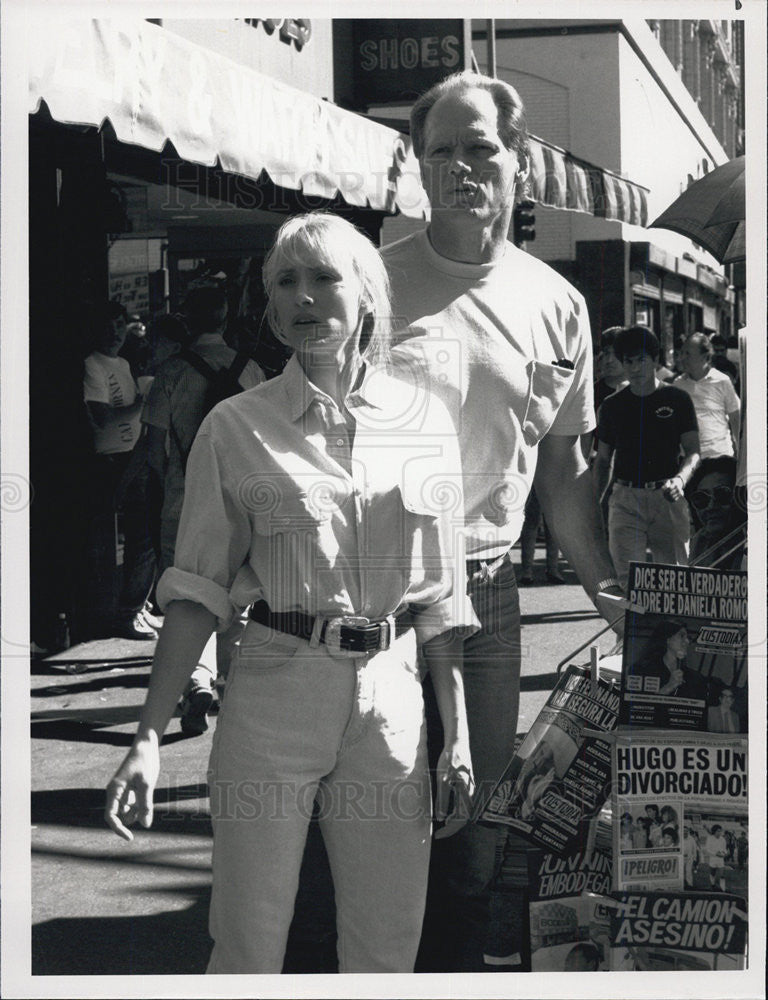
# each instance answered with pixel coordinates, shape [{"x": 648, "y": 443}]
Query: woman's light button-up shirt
[{"x": 292, "y": 501}]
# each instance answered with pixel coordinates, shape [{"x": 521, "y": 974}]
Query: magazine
[
  {"x": 653, "y": 931},
  {"x": 684, "y": 663},
  {"x": 559, "y": 778},
  {"x": 569, "y": 923},
  {"x": 680, "y": 811}
]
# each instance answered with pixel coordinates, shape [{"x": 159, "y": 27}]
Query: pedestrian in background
[
  {"x": 114, "y": 403},
  {"x": 714, "y": 398},
  {"x": 647, "y": 426},
  {"x": 178, "y": 401}
]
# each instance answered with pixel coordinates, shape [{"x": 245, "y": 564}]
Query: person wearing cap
[{"x": 647, "y": 424}]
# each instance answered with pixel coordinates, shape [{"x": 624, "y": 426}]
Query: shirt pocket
[
  {"x": 548, "y": 386},
  {"x": 281, "y": 507}
]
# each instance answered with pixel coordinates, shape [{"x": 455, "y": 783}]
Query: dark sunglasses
[{"x": 720, "y": 495}]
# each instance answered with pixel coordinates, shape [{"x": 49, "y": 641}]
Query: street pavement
[{"x": 104, "y": 906}]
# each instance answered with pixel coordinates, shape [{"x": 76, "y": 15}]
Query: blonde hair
[{"x": 319, "y": 237}]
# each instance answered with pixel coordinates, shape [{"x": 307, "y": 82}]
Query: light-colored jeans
[
  {"x": 296, "y": 722},
  {"x": 641, "y": 519}
]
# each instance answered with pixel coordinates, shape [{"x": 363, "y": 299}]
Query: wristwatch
[{"x": 609, "y": 581}]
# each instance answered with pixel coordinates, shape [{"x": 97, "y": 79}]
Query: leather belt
[
  {"x": 474, "y": 565},
  {"x": 345, "y": 633},
  {"x": 654, "y": 484}
]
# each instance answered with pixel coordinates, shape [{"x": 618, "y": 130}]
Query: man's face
[
  {"x": 695, "y": 362},
  {"x": 114, "y": 336},
  {"x": 610, "y": 366},
  {"x": 465, "y": 167},
  {"x": 639, "y": 368}
]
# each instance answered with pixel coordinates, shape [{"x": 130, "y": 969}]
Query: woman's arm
[
  {"x": 443, "y": 656},
  {"x": 186, "y": 630}
]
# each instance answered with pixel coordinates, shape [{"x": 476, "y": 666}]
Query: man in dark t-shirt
[{"x": 648, "y": 425}]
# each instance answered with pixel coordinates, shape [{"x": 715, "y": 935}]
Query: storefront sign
[
  {"x": 396, "y": 60},
  {"x": 291, "y": 29},
  {"x": 132, "y": 290}
]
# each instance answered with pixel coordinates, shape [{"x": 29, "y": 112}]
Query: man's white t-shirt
[
  {"x": 486, "y": 339},
  {"x": 109, "y": 380},
  {"x": 713, "y": 399}
]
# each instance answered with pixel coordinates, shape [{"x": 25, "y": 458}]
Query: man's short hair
[
  {"x": 702, "y": 341},
  {"x": 511, "y": 123},
  {"x": 636, "y": 340},
  {"x": 205, "y": 308},
  {"x": 718, "y": 340},
  {"x": 608, "y": 337}
]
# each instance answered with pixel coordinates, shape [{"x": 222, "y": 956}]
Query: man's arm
[
  {"x": 601, "y": 469},
  {"x": 734, "y": 423},
  {"x": 566, "y": 493},
  {"x": 674, "y": 488},
  {"x": 103, "y": 414}
]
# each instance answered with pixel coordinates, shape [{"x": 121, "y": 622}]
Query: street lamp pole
[{"x": 490, "y": 40}]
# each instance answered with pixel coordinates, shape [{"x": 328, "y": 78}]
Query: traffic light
[{"x": 524, "y": 222}]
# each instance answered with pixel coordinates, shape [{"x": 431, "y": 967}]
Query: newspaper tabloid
[
  {"x": 560, "y": 776},
  {"x": 657, "y": 931},
  {"x": 680, "y": 811},
  {"x": 569, "y": 922},
  {"x": 684, "y": 664}
]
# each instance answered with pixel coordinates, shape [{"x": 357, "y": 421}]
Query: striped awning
[
  {"x": 155, "y": 87},
  {"x": 559, "y": 180}
]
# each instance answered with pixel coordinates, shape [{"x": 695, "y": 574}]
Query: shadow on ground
[{"x": 172, "y": 943}]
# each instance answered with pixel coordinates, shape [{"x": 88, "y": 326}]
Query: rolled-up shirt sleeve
[{"x": 214, "y": 534}]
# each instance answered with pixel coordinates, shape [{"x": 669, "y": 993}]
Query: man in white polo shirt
[
  {"x": 714, "y": 398},
  {"x": 505, "y": 341}
]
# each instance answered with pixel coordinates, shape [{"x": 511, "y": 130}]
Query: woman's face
[
  {"x": 715, "y": 516},
  {"x": 678, "y": 643},
  {"x": 317, "y": 306}
]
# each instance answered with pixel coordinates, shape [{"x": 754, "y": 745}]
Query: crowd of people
[{"x": 344, "y": 530}]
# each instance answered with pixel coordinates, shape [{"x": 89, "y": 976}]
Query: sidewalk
[{"x": 103, "y": 906}]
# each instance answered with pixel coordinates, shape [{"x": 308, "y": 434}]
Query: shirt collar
[
  {"x": 301, "y": 393},
  {"x": 207, "y": 339}
]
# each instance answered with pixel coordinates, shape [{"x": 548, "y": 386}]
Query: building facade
[{"x": 659, "y": 102}]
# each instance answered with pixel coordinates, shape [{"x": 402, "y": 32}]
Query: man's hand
[
  {"x": 455, "y": 786},
  {"x": 129, "y": 793},
  {"x": 673, "y": 489},
  {"x": 612, "y": 603}
]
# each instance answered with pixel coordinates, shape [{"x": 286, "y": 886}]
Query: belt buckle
[{"x": 332, "y": 637}]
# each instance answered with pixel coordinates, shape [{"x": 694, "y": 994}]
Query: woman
[
  {"x": 308, "y": 497},
  {"x": 662, "y": 664},
  {"x": 719, "y": 540}
]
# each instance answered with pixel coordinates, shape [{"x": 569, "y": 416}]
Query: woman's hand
[
  {"x": 675, "y": 681},
  {"x": 129, "y": 793},
  {"x": 455, "y": 787}
]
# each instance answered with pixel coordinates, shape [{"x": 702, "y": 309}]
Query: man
[
  {"x": 722, "y": 362},
  {"x": 176, "y": 405},
  {"x": 505, "y": 341},
  {"x": 114, "y": 406},
  {"x": 714, "y": 398},
  {"x": 722, "y": 718},
  {"x": 646, "y": 424}
]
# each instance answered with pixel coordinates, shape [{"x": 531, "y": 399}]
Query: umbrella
[{"x": 711, "y": 212}]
